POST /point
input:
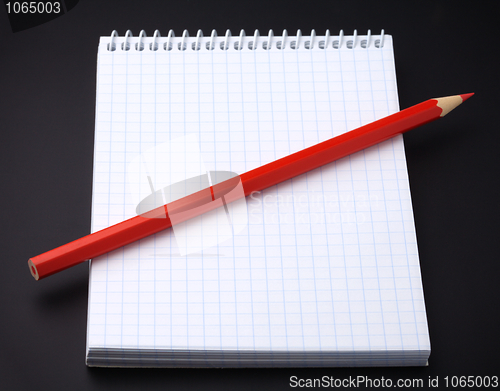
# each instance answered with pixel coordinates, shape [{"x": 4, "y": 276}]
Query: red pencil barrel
[
  {"x": 128, "y": 231},
  {"x": 93, "y": 245},
  {"x": 139, "y": 227}
]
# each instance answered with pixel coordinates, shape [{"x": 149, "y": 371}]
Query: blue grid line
[
  {"x": 285, "y": 312},
  {"x": 230, "y": 168},
  {"x": 185, "y": 170},
  {"x": 341, "y": 229},
  {"x": 170, "y": 237},
  {"x": 355, "y": 212},
  {"x": 274, "y": 188},
  {"x": 154, "y": 239},
  {"x": 123, "y": 249},
  {"x": 310, "y": 222},
  {"x": 245, "y": 155},
  {"x": 218, "y": 264},
  {"x": 371, "y": 219},
  {"x": 326, "y": 224},
  {"x": 293, "y": 181},
  {"x": 109, "y": 202},
  {"x": 202, "y": 255}
]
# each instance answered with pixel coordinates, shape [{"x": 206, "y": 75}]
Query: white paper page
[{"x": 327, "y": 261}]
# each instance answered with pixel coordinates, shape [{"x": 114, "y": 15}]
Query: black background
[{"x": 47, "y": 107}]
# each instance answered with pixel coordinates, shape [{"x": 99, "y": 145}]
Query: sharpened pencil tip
[
  {"x": 466, "y": 96},
  {"x": 448, "y": 103}
]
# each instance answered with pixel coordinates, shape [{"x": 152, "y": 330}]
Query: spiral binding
[{"x": 242, "y": 42}]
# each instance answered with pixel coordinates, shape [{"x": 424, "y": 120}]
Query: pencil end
[
  {"x": 33, "y": 270},
  {"x": 448, "y": 103}
]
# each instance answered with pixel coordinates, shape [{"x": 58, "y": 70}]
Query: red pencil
[{"x": 270, "y": 174}]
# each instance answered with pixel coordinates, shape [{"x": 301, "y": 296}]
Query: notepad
[{"x": 323, "y": 269}]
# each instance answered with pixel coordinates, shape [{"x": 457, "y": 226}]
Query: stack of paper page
[{"x": 320, "y": 270}]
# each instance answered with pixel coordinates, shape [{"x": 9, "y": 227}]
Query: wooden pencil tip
[
  {"x": 448, "y": 103},
  {"x": 466, "y": 96}
]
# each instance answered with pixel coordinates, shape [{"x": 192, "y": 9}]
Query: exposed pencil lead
[{"x": 466, "y": 96}]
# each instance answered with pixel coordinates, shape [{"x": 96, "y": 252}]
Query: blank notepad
[{"x": 323, "y": 272}]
